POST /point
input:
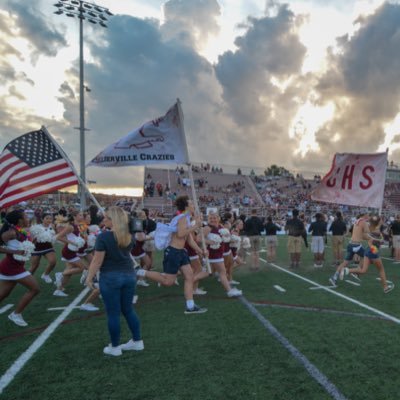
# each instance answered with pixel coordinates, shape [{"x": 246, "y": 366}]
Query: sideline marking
[
  {"x": 5, "y": 308},
  {"x": 19, "y": 363},
  {"x": 367, "y": 307},
  {"x": 59, "y": 308},
  {"x": 318, "y": 288},
  {"x": 280, "y": 289},
  {"x": 315, "y": 373},
  {"x": 319, "y": 310},
  {"x": 387, "y": 280},
  {"x": 352, "y": 282}
]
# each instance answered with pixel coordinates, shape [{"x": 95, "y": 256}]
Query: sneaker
[
  {"x": 176, "y": 282},
  {"x": 389, "y": 288},
  {"x": 343, "y": 273},
  {"x": 356, "y": 277},
  {"x": 140, "y": 273},
  {"x": 232, "y": 282},
  {"x": 59, "y": 277},
  {"x": 199, "y": 292},
  {"x": 132, "y": 345},
  {"x": 141, "y": 282},
  {"x": 112, "y": 351},
  {"x": 47, "y": 278},
  {"x": 59, "y": 293},
  {"x": 333, "y": 281},
  {"x": 195, "y": 310},
  {"x": 17, "y": 319},
  {"x": 83, "y": 276},
  {"x": 88, "y": 307},
  {"x": 234, "y": 292}
]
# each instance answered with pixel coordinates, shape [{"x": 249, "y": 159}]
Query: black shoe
[{"x": 195, "y": 310}]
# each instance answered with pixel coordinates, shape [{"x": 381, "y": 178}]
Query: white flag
[
  {"x": 354, "y": 179},
  {"x": 161, "y": 141}
]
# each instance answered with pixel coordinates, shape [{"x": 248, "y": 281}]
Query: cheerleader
[
  {"x": 140, "y": 256},
  {"x": 43, "y": 238},
  {"x": 215, "y": 250},
  {"x": 73, "y": 243},
  {"x": 226, "y": 239},
  {"x": 234, "y": 244},
  {"x": 12, "y": 271}
]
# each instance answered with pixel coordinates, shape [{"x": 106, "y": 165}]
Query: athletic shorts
[
  {"x": 174, "y": 259},
  {"x": 370, "y": 255},
  {"x": 317, "y": 244},
  {"x": 255, "y": 243},
  {"x": 337, "y": 242},
  {"x": 352, "y": 249},
  {"x": 396, "y": 241},
  {"x": 294, "y": 244}
]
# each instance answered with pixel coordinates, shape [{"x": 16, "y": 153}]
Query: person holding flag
[{"x": 176, "y": 257}]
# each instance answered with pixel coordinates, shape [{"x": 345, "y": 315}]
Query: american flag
[{"x": 31, "y": 165}]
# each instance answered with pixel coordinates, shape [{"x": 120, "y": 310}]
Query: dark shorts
[
  {"x": 174, "y": 259},
  {"x": 372, "y": 255},
  {"x": 352, "y": 249}
]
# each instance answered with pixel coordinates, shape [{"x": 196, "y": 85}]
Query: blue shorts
[
  {"x": 174, "y": 259},
  {"x": 352, "y": 249},
  {"x": 370, "y": 255}
]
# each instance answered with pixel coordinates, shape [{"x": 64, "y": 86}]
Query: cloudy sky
[{"x": 261, "y": 82}]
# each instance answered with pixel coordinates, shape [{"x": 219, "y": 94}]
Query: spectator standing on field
[
  {"x": 295, "y": 229},
  {"x": 253, "y": 227},
  {"x": 395, "y": 231},
  {"x": 318, "y": 230},
  {"x": 338, "y": 229}
]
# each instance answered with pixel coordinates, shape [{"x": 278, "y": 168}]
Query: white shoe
[
  {"x": 88, "y": 307},
  {"x": 176, "y": 282},
  {"x": 83, "y": 276},
  {"x": 17, "y": 319},
  {"x": 199, "y": 292},
  {"x": 232, "y": 282},
  {"x": 234, "y": 292},
  {"x": 131, "y": 345},
  {"x": 112, "y": 351},
  {"x": 343, "y": 273},
  {"x": 140, "y": 273},
  {"x": 59, "y": 277},
  {"x": 47, "y": 278},
  {"x": 135, "y": 299},
  {"x": 141, "y": 282},
  {"x": 59, "y": 293}
]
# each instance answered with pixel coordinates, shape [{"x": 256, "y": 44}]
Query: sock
[{"x": 189, "y": 304}]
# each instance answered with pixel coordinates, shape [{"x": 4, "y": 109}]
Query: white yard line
[
  {"x": 279, "y": 288},
  {"x": 338, "y": 294},
  {"x": 5, "y": 308},
  {"x": 19, "y": 363},
  {"x": 315, "y": 373},
  {"x": 352, "y": 282}
]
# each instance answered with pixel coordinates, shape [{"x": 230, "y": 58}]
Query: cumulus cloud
[
  {"x": 238, "y": 111},
  {"x": 33, "y": 25},
  {"x": 363, "y": 82}
]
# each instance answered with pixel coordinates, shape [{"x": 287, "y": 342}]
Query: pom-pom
[
  {"x": 225, "y": 234},
  {"x": 246, "y": 243},
  {"x": 78, "y": 243},
  {"x": 42, "y": 234},
  {"x": 28, "y": 247},
  {"x": 216, "y": 239},
  {"x": 235, "y": 241}
]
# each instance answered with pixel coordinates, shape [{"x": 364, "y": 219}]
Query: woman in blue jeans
[{"x": 117, "y": 279}]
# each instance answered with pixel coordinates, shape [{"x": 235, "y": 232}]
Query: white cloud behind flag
[
  {"x": 160, "y": 141},
  {"x": 354, "y": 179}
]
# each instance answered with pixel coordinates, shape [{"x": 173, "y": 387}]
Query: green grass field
[{"x": 227, "y": 353}]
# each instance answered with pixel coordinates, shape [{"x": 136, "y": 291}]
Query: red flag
[
  {"x": 31, "y": 165},
  {"x": 354, "y": 179}
]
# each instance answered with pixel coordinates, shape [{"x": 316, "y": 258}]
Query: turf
[{"x": 223, "y": 354}]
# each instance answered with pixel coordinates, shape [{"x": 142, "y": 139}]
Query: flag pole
[
  {"x": 383, "y": 190},
  {"x": 191, "y": 180},
  {"x": 83, "y": 184}
]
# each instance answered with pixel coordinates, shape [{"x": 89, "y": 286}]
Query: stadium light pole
[{"x": 94, "y": 14}]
